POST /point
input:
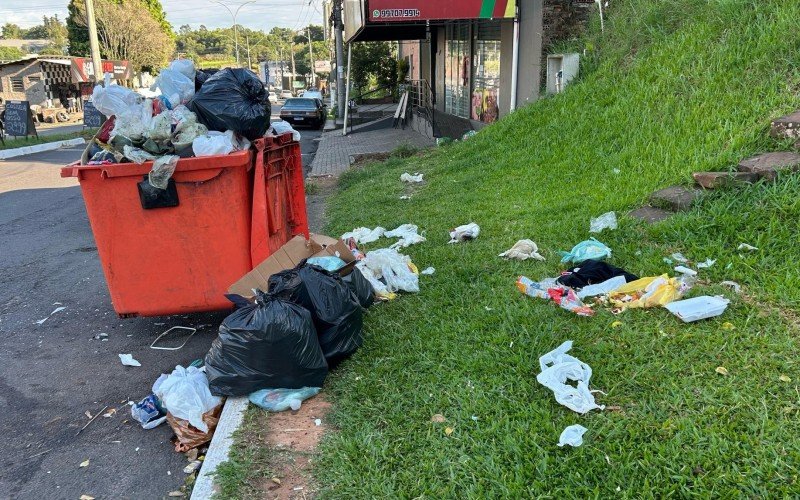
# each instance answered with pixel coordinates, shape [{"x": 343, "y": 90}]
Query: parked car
[
  {"x": 286, "y": 94},
  {"x": 316, "y": 94},
  {"x": 273, "y": 97},
  {"x": 304, "y": 111}
]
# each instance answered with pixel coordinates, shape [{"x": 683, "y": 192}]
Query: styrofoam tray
[{"x": 698, "y": 308}]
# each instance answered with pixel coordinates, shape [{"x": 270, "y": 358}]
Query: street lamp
[{"x": 235, "y": 29}]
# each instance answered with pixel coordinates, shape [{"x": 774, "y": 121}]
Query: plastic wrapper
[
  {"x": 466, "y": 232},
  {"x": 272, "y": 343},
  {"x": 606, "y": 221},
  {"x": 189, "y": 436},
  {"x": 162, "y": 171},
  {"x": 379, "y": 288},
  {"x": 175, "y": 86},
  {"x": 572, "y": 436},
  {"x": 408, "y": 234},
  {"x": 336, "y": 313},
  {"x": 114, "y": 99},
  {"x": 650, "y": 292},
  {"x": 361, "y": 287},
  {"x": 393, "y": 268},
  {"x": 282, "y": 399},
  {"x": 137, "y": 155},
  {"x": 328, "y": 263},
  {"x": 184, "y": 67},
  {"x": 558, "y": 368},
  {"x": 523, "y": 250},
  {"x": 103, "y": 158},
  {"x": 233, "y": 99},
  {"x": 281, "y": 127},
  {"x": 185, "y": 394},
  {"x": 588, "y": 249},
  {"x": 364, "y": 235},
  {"x": 218, "y": 143}
]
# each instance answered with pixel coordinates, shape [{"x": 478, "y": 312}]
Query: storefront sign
[
  {"x": 83, "y": 69},
  {"x": 322, "y": 66},
  {"x": 18, "y": 119},
  {"x": 92, "y": 117},
  {"x": 423, "y": 10}
]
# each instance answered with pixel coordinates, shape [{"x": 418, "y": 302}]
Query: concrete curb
[
  {"x": 40, "y": 148},
  {"x": 230, "y": 420}
]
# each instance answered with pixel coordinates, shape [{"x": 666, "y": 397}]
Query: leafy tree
[
  {"x": 10, "y": 54},
  {"x": 11, "y": 30},
  {"x": 373, "y": 61}
]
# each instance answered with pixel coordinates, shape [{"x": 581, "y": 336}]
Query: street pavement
[{"x": 52, "y": 373}]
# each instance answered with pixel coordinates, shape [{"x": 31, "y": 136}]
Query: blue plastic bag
[
  {"x": 585, "y": 250},
  {"x": 329, "y": 263},
  {"x": 282, "y": 399}
]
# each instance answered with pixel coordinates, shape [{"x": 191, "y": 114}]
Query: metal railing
[{"x": 421, "y": 102}]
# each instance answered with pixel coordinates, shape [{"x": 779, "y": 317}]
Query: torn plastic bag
[
  {"x": 184, "y": 67},
  {"x": 466, "y": 232},
  {"x": 588, "y": 249},
  {"x": 406, "y": 177},
  {"x": 281, "y": 127},
  {"x": 175, "y": 86},
  {"x": 189, "y": 436},
  {"x": 361, "y": 287},
  {"x": 408, "y": 234},
  {"x": 591, "y": 272},
  {"x": 606, "y": 221},
  {"x": 217, "y": 143},
  {"x": 558, "y": 367},
  {"x": 185, "y": 394},
  {"x": 282, "y": 399},
  {"x": 604, "y": 288},
  {"x": 137, "y": 155},
  {"x": 364, "y": 234},
  {"x": 572, "y": 436},
  {"x": 161, "y": 126},
  {"x": 336, "y": 313},
  {"x": 393, "y": 268},
  {"x": 523, "y": 250},
  {"x": 379, "y": 288},
  {"x": 233, "y": 99},
  {"x": 114, "y": 99},
  {"x": 162, "y": 171},
  {"x": 271, "y": 343}
]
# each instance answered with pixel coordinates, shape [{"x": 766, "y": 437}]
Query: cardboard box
[{"x": 289, "y": 256}]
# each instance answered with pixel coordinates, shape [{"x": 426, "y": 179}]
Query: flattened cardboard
[{"x": 289, "y": 256}]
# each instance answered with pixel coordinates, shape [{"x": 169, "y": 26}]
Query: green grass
[
  {"x": 249, "y": 462},
  {"x": 672, "y": 88},
  {"x": 30, "y": 140}
]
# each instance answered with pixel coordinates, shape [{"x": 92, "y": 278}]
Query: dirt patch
[
  {"x": 324, "y": 187},
  {"x": 293, "y": 437}
]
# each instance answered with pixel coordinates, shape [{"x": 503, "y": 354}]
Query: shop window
[
  {"x": 457, "y": 69},
  {"x": 486, "y": 69},
  {"x": 17, "y": 85}
]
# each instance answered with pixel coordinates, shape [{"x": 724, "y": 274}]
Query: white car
[
  {"x": 273, "y": 97},
  {"x": 314, "y": 94},
  {"x": 286, "y": 94}
]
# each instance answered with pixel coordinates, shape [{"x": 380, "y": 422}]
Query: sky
[{"x": 260, "y": 15}]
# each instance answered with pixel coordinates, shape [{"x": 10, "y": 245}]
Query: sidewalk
[{"x": 334, "y": 151}]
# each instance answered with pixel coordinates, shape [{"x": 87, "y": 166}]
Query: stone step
[
  {"x": 786, "y": 127},
  {"x": 717, "y": 180},
  {"x": 769, "y": 165},
  {"x": 675, "y": 198},
  {"x": 650, "y": 214}
]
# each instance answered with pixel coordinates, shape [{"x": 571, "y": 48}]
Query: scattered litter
[
  {"x": 364, "y": 235},
  {"x": 685, "y": 270},
  {"x": 705, "y": 265},
  {"x": 537, "y": 290},
  {"x": 722, "y": 371},
  {"x": 603, "y": 288},
  {"x": 192, "y": 466},
  {"x": 606, "y": 221},
  {"x": 558, "y": 367},
  {"x": 85, "y": 463},
  {"x": 728, "y": 326},
  {"x": 86, "y": 497},
  {"x": 585, "y": 250},
  {"x": 650, "y": 292},
  {"x": 127, "y": 360},
  {"x": 88, "y": 414},
  {"x": 407, "y": 234},
  {"x": 572, "y": 436},
  {"x": 406, "y": 177},
  {"x": 186, "y": 395},
  {"x": 175, "y": 493},
  {"x": 276, "y": 400},
  {"x": 391, "y": 266},
  {"x": 448, "y": 431},
  {"x": 568, "y": 299},
  {"x": 785, "y": 378},
  {"x": 428, "y": 271},
  {"x": 523, "y": 250},
  {"x": 149, "y": 412},
  {"x": 698, "y": 308},
  {"x": 474, "y": 418},
  {"x": 317, "y": 422},
  {"x": 405, "y": 197},
  {"x": 297, "y": 488},
  {"x": 438, "y": 419},
  {"x": 56, "y": 310},
  {"x": 745, "y": 246},
  {"x": 103, "y": 337},
  {"x": 591, "y": 272},
  {"x": 668, "y": 261},
  {"x": 110, "y": 413},
  {"x": 616, "y": 170},
  {"x": 616, "y": 324},
  {"x": 177, "y": 328},
  {"x": 736, "y": 287},
  {"x": 92, "y": 420},
  {"x": 464, "y": 233},
  {"x": 678, "y": 257}
]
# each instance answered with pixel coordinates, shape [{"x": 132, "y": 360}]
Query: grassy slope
[{"x": 674, "y": 89}]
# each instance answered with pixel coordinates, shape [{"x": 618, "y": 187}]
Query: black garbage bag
[
  {"x": 361, "y": 288},
  {"x": 592, "y": 272},
  {"x": 201, "y": 75},
  {"x": 336, "y": 313},
  {"x": 269, "y": 344},
  {"x": 233, "y": 99}
]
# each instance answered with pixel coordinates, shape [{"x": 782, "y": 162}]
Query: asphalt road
[{"x": 52, "y": 373}]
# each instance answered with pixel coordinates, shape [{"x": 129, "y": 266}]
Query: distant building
[{"x": 27, "y": 46}]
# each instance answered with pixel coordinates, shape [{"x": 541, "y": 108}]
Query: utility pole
[
  {"x": 93, "y": 43},
  {"x": 311, "y": 56},
  {"x": 249, "y": 63},
  {"x": 338, "y": 27},
  {"x": 291, "y": 51}
]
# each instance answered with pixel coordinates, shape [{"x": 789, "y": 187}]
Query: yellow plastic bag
[{"x": 648, "y": 292}]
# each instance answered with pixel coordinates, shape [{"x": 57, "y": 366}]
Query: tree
[
  {"x": 373, "y": 61},
  {"x": 11, "y": 30},
  {"x": 124, "y": 33},
  {"x": 10, "y": 54}
]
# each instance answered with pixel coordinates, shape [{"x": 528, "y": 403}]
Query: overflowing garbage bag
[
  {"x": 233, "y": 99},
  {"x": 361, "y": 288},
  {"x": 272, "y": 343},
  {"x": 336, "y": 312}
]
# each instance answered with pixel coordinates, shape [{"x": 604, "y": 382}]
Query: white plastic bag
[
  {"x": 185, "y": 394},
  {"x": 379, "y": 287},
  {"x": 175, "y": 86},
  {"x": 281, "y": 127},
  {"x": 606, "y": 221},
  {"x": 408, "y": 235},
  {"x": 364, "y": 234},
  {"x": 137, "y": 155},
  {"x": 184, "y": 67},
  {"x": 558, "y": 367},
  {"x": 214, "y": 143},
  {"x": 464, "y": 233},
  {"x": 114, "y": 99},
  {"x": 162, "y": 170},
  {"x": 572, "y": 436},
  {"x": 160, "y": 127},
  {"x": 392, "y": 267},
  {"x": 406, "y": 177},
  {"x": 523, "y": 250},
  {"x": 603, "y": 288}
]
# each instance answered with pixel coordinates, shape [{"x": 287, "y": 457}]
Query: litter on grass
[
  {"x": 606, "y": 221},
  {"x": 464, "y": 233},
  {"x": 650, "y": 292},
  {"x": 585, "y": 250},
  {"x": 678, "y": 257},
  {"x": 745, "y": 246},
  {"x": 56, "y": 310},
  {"x": 557, "y": 368},
  {"x": 572, "y": 436},
  {"x": 604, "y": 288},
  {"x": 408, "y": 234},
  {"x": 406, "y": 177},
  {"x": 705, "y": 265},
  {"x": 364, "y": 234},
  {"x": 394, "y": 268},
  {"x": 698, "y": 308},
  {"x": 428, "y": 271},
  {"x": 523, "y": 250},
  {"x": 736, "y": 287},
  {"x": 127, "y": 360},
  {"x": 686, "y": 271}
]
